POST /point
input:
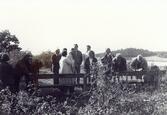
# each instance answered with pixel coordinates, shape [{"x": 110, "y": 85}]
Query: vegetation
[
  {"x": 107, "y": 99},
  {"x": 45, "y": 58},
  {"x": 8, "y": 42},
  {"x": 131, "y": 52}
]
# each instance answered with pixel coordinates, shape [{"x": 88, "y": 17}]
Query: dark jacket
[
  {"x": 6, "y": 74},
  {"x": 139, "y": 65},
  {"x": 56, "y": 59},
  {"x": 77, "y": 56},
  {"x": 107, "y": 60},
  {"x": 22, "y": 68},
  {"x": 55, "y": 63},
  {"x": 119, "y": 64},
  {"x": 88, "y": 65}
]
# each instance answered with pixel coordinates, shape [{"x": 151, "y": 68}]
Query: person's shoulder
[
  {"x": 123, "y": 58},
  {"x": 134, "y": 59},
  {"x": 95, "y": 59},
  {"x": 114, "y": 58},
  {"x": 54, "y": 55},
  {"x": 79, "y": 52},
  {"x": 87, "y": 59}
]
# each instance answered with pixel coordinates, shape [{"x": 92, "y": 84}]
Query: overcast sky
[{"x": 44, "y": 25}]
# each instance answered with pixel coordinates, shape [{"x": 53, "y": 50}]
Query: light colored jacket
[{"x": 67, "y": 67}]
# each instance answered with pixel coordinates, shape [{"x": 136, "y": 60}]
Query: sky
[{"x": 42, "y": 25}]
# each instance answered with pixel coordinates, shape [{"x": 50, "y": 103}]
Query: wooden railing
[
  {"x": 83, "y": 80},
  {"x": 65, "y": 80}
]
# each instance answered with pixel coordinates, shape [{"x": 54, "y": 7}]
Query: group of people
[
  {"x": 64, "y": 63},
  {"x": 70, "y": 63},
  {"x": 118, "y": 63},
  {"x": 11, "y": 76}
]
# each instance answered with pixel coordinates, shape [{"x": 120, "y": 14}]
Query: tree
[{"x": 8, "y": 42}]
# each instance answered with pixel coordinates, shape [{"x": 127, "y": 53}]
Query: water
[{"x": 157, "y": 63}]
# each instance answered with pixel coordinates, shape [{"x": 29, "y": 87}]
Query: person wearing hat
[
  {"x": 6, "y": 72},
  {"x": 119, "y": 63}
]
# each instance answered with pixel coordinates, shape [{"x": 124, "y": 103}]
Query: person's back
[
  {"x": 68, "y": 65},
  {"x": 23, "y": 68},
  {"x": 139, "y": 63},
  {"x": 119, "y": 64},
  {"x": 107, "y": 61}
]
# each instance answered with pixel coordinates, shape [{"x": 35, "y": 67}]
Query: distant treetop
[
  {"x": 8, "y": 42},
  {"x": 131, "y": 52}
]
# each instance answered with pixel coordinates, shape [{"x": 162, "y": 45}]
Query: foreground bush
[{"x": 106, "y": 99}]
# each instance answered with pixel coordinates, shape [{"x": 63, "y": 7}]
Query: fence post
[
  {"x": 85, "y": 83},
  {"x": 55, "y": 79}
]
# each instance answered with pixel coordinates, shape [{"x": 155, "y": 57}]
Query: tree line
[{"x": 10, "y": 44}]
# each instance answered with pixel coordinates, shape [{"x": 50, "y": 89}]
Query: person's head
[
  {"x": 64, "y": 49},
  {"x": 91, "y": 54},
  {"x": 5, "y": 57},
  {"x": 118, "y": 55},
  {"x": 139, "y": 57},
  {"x": 88, "y": 47},
  {"x": 57, "y": 51},
  {"x": 28, "y": 58},
  {"x": 76, "y": 46},
  {"x": 64, "y": 53},
  {"x": 108, "y": 51},
  {"x": 72, "y": 50}
]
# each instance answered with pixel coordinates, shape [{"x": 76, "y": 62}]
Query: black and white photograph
[{"x": 83, "y": 57}]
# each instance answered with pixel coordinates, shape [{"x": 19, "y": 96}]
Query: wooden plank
[
  {"x": 57, "y": 86},
  {"x": 51, "y": 76},
  {"x": 118, "y": 76}
]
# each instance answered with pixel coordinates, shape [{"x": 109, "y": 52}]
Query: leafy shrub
[{"x": 107, "y": 98}]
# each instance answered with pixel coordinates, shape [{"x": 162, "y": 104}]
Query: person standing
[
  {"x": 67, "y": 67},
  {"x": 6, "y": 72},
  {"x": 84, "y": 57},
  {"x": 56, "y": 62},
  {"x": 90, "y": 67},
  {"x": 23, "y": 69},
  {"x": 77, "y": 56},
  {"x": 63, "y": 57},
  {"x": 88, "y": 49},
  {"x": 107, "y": 61},
  {"x": 68, "y": 64},
  {"x": 90, "y": 62}
]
